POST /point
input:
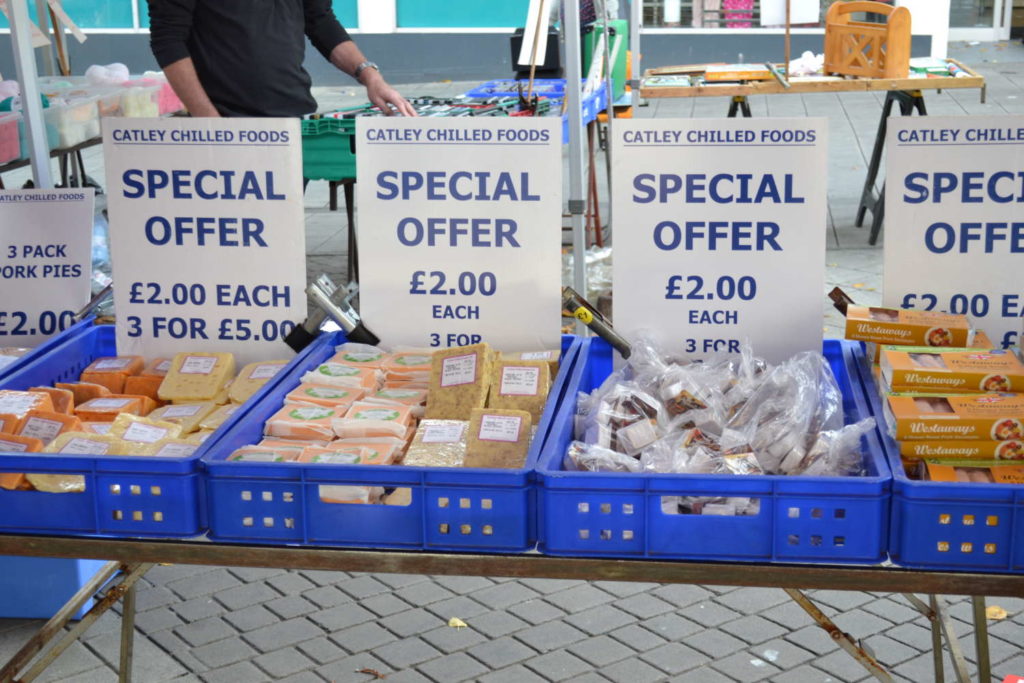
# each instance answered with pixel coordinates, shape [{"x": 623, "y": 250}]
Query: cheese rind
[
  {"x": 47, "y": 425},
  {"x": 63, "y": 400},
  {"x": 197, "y": 376}
]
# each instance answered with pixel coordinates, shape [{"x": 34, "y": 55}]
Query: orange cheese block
[
  {"x": 112, "y": 371},
  {"x": 301, "y": 422},
  {"x": 84, "y": 391},
  {"x": 47, "y": 425},
  {"x": 63, "y": 400},
  {"x": 319, "y": 395},
  {"x": 19, "y": 403},
  {"x": 108, "y": 408},
  {"x": 156, "y": 368},
  {"x": 11, "y": 443},
  {"x": 13, "y": 481},
  {"x": 9, "y": 423},
  {"x": 143, "y": 385},
  {"x": 148, "y": 405}
]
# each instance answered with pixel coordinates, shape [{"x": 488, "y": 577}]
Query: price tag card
[
  {"x": 45, "y": 261},
  {"x": 460, "y": 230},
  {"x": 720, "y": 234},
  {"x": 954, "y": 238},
  {"x": 207, "y": 238}
]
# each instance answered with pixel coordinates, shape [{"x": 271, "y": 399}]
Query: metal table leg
[
  {"x": 739, "y": 103},
  {"x": 981, "y": 638},
  {"x": 124, "y": 673}
]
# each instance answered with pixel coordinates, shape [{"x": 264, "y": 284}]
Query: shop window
[{"x": 461, "y": 14}]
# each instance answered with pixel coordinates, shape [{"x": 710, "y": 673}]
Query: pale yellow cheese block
[
  {"x": 252, "y": 377},
  {"x": 197, "y": 376}
]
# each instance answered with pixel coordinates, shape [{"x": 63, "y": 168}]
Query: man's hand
[{"x": 383, "y": 95}]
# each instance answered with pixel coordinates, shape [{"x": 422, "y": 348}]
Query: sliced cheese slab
[
  {"x": 9, "y": 423},
  {"x": 47, "y": 425},
  {"x": 13, "y": 443},
  {"x": 188, "y": 415},
  {"x": 252, "y": 377},
  {"x": 174, "y": 448},
  {"x": 438, "y": 443},
  {"x": 197, "y": 377},
  {"x": 112, "y": 371},
  {"x": 200, "y": 437},
  {"x": 82, "y": 443},
  {"x": 157, "y": 367},
  {"x": 143, "y": 385}
]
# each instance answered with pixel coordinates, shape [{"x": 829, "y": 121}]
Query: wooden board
[{"x": 814, "y": 85}]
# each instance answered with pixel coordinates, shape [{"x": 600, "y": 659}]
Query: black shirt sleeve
[
  {"x": 170, "y": 24},
  {"x": 322, "y": 27}
]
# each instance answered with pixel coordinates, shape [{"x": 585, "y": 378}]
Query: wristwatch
[{"x": 363, "y": 67}]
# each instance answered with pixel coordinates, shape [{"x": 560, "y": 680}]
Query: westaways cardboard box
[
  {"x": 931, "y": 417},
  {"x": 957, "y": 370},
  {"x": 906, "y": 327}
]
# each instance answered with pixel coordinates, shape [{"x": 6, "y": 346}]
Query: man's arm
[
  {"x": 170, "y": 26},
  {"x": 347, "y": 57},
  {"x": 332, "y": 40}
]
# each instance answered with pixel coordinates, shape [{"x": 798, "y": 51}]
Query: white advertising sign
[
  {"x": 460, "y": 230},
  {"x": 207, "y": 238},
  {"x": 773, "y": 12},
  {"x": 954, "y": 219},
  {"x": 45, "y": 261},
  {"x": 720, "y": 233}
]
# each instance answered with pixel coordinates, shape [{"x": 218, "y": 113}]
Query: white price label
[{"x": 500, "y": 428}]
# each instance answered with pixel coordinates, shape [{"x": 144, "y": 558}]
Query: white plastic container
[
  {"x": 75, "y": 120},
  {"x": 10, "y": 138}
]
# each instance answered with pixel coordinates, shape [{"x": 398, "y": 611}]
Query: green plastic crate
[{"x": 329, "y": 149}]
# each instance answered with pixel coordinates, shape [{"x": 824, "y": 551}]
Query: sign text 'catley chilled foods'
[
  {"x": 721, "y": 234},
  {"x": 45, "y": 261},
  {"x": 459, "y": 233},
  {"x": 208, "y": 243},
  {"x": 954, "y": 237}
]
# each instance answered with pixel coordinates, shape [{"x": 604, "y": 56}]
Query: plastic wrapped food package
[
  {"x": 731, "y": 414},
  {"x": 438, "y": 443}
]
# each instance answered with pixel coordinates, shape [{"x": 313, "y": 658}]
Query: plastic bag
[
  {"x": 581, "y": 456},
  {"x": 837, "y": 453}
]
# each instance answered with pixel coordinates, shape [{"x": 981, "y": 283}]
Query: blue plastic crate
[
  {"x": 37, "y": 587},
  {"x": 949, "y": 526},
  {"x": 451, "y": 508},
  {"x": 47, "y": 346},
  {"x": 800, "y": 519},
  {"x": 509, "y": 87},
  {"x": 124, "y": 495},
  {"x": 592, "y": 105}
]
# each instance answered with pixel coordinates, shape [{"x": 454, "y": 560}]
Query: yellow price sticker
[{"x": 584, "y": 316}]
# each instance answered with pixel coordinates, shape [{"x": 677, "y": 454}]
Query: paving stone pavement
[{"x": 240, "y": 625}]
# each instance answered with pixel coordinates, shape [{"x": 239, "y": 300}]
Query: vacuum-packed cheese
[
  {"x": 218, "y": 417},
  {"x": 47, "y": 425},
  {"x": 521, "y": 385},
  {"x": 107, "y": 408},
  {"x": 143, "y": 385},
  {"x": 549, "y": 357},
  {"x": 9, "y": 423},
  {"x": 359, "y": 355},
  {"x": 13, "y": 443},
  {"x": 301, "y": 422},
  {"x": 196, "y": 376},
  {"x": 366, "y": 419},
  {"x": 135, "y": 429},
  {"x": 62, "y": 399},
  {"x": 83, "y": 391},
  {"x": 112, "y": 371},
  {"x": 188, "y": 415},
  {"x": 319, "y": 395},
  {"x": 252, "y": 377},
  {"x": 334, "y": 374},
  {"x": 459, "y": 381},
  {"x": 438, "y": 443},
  {"x": 498, "y": 439},
  {"x": 19, "y": 403}
]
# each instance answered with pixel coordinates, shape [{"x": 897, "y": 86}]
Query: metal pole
[
  {"x": 610, "y": 54},
  {"x": 636, "y": 17},
  {"x": 577, "y": 183},
  {"x": 32, "y": 108}
]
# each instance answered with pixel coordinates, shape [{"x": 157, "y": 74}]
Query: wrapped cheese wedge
[
  {"x": 252, "y": 378},
  {"x": 135, "y": 429},
  {"x": 62, "y": 399},
  {"x": 47, "y": 425},
  {"x": 111, "y": 372},
  {"x": 19, "y": 403},
  {"x": 197, "y": 377},
  {"x": 319, "y": 395},
  {"x": 188, "y": 415}
]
